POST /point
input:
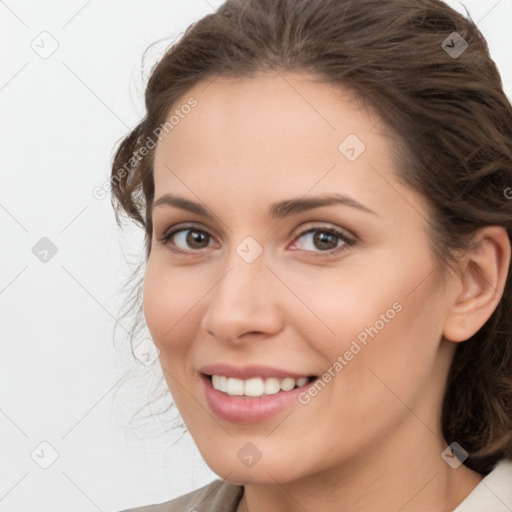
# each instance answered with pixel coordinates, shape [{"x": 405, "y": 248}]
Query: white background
[{"x": 64, "y": 380}]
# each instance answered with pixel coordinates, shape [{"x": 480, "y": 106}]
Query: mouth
[
  {"x": 252, "y": 393},
  {"x": 257, "y": 387},
  {"x": 252, "y": 400}
]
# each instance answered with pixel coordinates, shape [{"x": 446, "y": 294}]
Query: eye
[
  {"x": 319, "y": 239},
  {"x": 323, "y": 239},
  {"x": 186, "y": 239}
]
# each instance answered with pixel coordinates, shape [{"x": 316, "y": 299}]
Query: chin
[
  {"x": 251, "y": 476},
  {"x": 263, "y": 472}
]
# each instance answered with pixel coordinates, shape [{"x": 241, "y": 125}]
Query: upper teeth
[{"x": 256, "y": 386}]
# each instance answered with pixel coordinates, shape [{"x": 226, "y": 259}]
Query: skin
[{"x": 371, "y": 439}]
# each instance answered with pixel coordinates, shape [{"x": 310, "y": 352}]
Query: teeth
[
  {"x": 301, "y": 381},
  {"x": 220, "y": 382},
  {"x": 287, "y": 384},
  {"x": 235, "y": 387},
  {"x": 255, "y": 386},
  {"x": 272, "y": 386},
  {"x": 252, "y": 387}
]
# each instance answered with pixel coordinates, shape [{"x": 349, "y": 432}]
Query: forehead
[
  {"x": 272, "y": 134},
  {"x": 265, "y": 116}
]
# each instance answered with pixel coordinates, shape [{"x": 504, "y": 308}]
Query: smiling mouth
[{"x": 257, "y": 386}]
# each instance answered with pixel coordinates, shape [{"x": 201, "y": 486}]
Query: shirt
[{"x": 492, "y": 494}]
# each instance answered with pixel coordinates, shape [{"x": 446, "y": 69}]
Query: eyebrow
[{"x": 276, "y": 210}]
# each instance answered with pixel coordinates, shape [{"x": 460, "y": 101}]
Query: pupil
[
  {"x": 194, "y": 239},
  {"x": 325, "y": 240}
]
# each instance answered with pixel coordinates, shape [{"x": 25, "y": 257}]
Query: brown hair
[{"x": 453, "y": 126}]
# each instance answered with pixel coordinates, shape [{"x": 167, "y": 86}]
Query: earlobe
[{"x": 480, "y": 283}]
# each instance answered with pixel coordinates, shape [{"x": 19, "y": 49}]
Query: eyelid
[
  {"x": 322, "y": 225},
  {"x": 181, "y": 226}
]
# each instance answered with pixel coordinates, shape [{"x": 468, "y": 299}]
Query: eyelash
[{"x": 347, "y": 242}]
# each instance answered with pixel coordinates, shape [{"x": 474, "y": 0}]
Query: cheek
[
  {"x": 380, "y": 315},
  {"x": 169, "y": 310},
  {"x": 345, "y": 304},
  {"x": 170, "y": 300},
  {"x": 399, "y": 335}
]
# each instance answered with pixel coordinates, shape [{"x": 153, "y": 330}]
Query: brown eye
[
  {"x": 196, "y": 239},
  {"x": 186, "y": 239},
  {"x": 323, "y": 240}
]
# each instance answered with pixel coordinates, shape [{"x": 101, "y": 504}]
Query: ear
[{"x": 480, "y": 283}]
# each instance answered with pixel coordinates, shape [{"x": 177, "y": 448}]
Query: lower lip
[{"x": 239, "y": 409}]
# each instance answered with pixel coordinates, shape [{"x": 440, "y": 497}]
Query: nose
[{"x": 245, "y": 303}]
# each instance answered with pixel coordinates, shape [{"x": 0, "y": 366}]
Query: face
[{"x": 250, "y": 271}]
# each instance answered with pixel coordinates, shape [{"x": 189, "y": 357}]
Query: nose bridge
[
  {"x": 242, "y": 285},
  {"x": 241, "y": 301}
]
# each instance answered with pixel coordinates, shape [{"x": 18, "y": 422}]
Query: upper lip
[{"x": 248, "y": 372}]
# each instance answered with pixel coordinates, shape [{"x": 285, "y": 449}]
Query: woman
[{"x": 323, "y": 189}]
